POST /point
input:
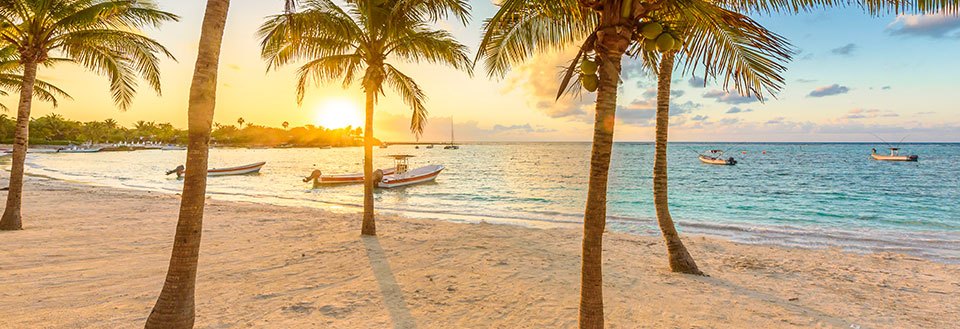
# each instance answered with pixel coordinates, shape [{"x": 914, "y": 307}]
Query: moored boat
[
  {"x": 320, "y": 179},
  {"x": 229, "y": 171},
  {"x": 403, "y": 176},
  {"x": 77, "y": 149},
  {"x": 717, "y": 159},
  {"x": 894, "y": 156}
]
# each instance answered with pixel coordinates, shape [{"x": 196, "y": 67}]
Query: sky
[{"x": 854, "y": 76}]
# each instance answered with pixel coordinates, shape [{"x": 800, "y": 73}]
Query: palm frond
[
  {"x": 439, "y": 47},
  {"x": 872, "y": 7},
  {"x": 323, "y": 70},
  {"x": 522, "y": 27},
  {"x": 729, "y": 46},
  {"x": 411, "y": 94}
]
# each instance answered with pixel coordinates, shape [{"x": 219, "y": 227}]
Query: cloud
[
  {"x": 394, "y": 127},
  {"x": 539, "y": 79},
  {"x": 699, "y": 117},
  {"x": 735, "y": 109},
  {"x": 806, "y": 80},
  {"x": 830, "y": 90},
  {"x": 526, "y": 128},
  {"x": 725, "y": 97},
  {"x": 845, "y": 50},
  {"x": 886, "y": 88},
  {"x": 856, "y": 114},
  {"x": 931, "y": 25},
  {"x": 652, "y": 93},
  {"x": 642, "y": 112},
  {"x": 697, "y": 82}
]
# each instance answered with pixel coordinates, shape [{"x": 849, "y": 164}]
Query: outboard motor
[
  {"x": 377, "y": 176},
  {"x": 179, "y": 170},
  {"x": 313, "y": 176}
]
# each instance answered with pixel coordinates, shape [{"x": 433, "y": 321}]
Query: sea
[{"x": 819, "y": 195}]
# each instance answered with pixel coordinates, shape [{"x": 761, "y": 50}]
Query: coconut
[
  {"x": 588, "y": 66},
  {"x": 665, "y": 42},
  {"x": 590, "y": 82},
  {"x": 651, "y": 30},
  {"x": 649, "y": 45}
]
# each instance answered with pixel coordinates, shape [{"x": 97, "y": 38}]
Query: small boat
[
  {"x": 320, "y": 179},
  {"x": 403, "y": 176},
  {"x": 231, "y": 171},
  {"x": 173, "y": 148},
  {"x": 451, "y": 146},
  {"x": 430, "y": 146},
  {"x": 717, "y": 159},
  {"x": 77, "y": 149},
  {"x": 894, "y": 156}
]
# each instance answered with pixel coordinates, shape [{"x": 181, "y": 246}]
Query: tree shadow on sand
[{"x": 392, "y": 294}]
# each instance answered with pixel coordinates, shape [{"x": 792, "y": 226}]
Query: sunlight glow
[{"x": 337, "y": 113}]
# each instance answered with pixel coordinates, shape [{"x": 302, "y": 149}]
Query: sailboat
[{"x": 451, "y": 146}]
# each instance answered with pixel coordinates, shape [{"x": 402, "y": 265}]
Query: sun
[{"x": 337, "y": 113}]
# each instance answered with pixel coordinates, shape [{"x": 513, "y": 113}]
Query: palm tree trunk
[
  {"x": 175, "y": 306},
  {"x": 11, "y": 215},
  {"x": 680, "y": 259},
  {"x": 369, "y": 227},
  {"x": 610, "y": 51}
]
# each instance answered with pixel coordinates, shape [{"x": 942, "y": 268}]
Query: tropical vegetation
[
  {"x": 54, "y": 129},
  {"x": 364, "y": 37},
  {"x": 99, "y": 35}
]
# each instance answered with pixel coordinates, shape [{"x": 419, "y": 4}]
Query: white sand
[{"x": 95, "y": 257}]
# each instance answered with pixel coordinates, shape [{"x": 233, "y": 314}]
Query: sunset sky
[{"x": 853, "y": 75}]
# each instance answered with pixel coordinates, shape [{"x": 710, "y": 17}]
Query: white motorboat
[
  {"x": 894, "y": 156},
  {"x": 717, "y": 159},
  {"x": 320, "y": 179},
  {"x": 229, "y": 171},
  {"x": 403, "y": 176}
]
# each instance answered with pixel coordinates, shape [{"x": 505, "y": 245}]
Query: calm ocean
[{"x": 805, "y": 195}]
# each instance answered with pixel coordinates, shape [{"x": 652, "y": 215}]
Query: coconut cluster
[
  {"x": 588, "y": 74},
  {"x": 655, "y": 36}
]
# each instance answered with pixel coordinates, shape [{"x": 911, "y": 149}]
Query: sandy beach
[{"x": 95, "y": 257}]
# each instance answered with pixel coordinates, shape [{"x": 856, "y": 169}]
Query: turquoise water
[{"x": 804, "y": 195}]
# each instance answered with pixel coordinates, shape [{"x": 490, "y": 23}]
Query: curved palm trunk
[
  {"x": 11, "y": 215},
  {"x": 610, "y": 49},
  {"x": 175, "y": 306},
  {"x": 369, "y": 227},
  {"x": 680, "y": 259}
]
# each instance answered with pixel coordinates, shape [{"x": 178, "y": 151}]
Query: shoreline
[
  {"x": 97, "y": 257},
  {"x": 930, "y": 245}
]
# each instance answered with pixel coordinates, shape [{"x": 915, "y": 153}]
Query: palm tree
[
  {"x": 240, "y": 122},
  {"x": 713, "y": 36},
  {"x": 609, "y": 30},
  {"x": 99, "y": 35},
  {"x": 338, "y": 43},
  {"x": 285, "y": 125},
  {"x": 11, "y": 78},
  {"x": 175, "y": 305}
]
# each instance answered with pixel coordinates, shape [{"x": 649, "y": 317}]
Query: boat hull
[
  {"x": 238, "y": 170},
  {"x": 717, "y": 161},
  {"x": 95, "y": 150},
  {"x": 415, "y": 176},
  {"x": 903, "y": 158},
  {"x": 354, "y": 178}
]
